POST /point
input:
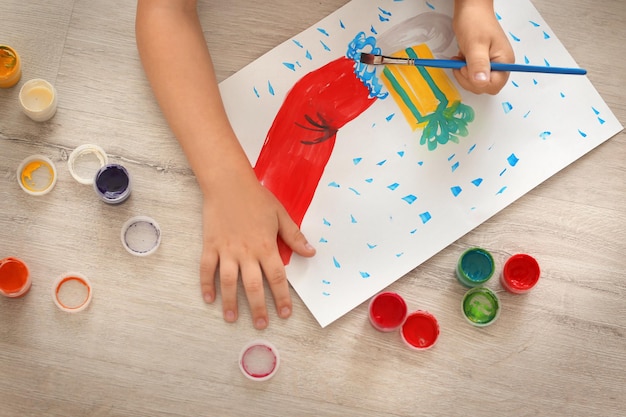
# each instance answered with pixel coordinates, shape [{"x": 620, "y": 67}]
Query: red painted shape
[{"x": 302, "y": 136}]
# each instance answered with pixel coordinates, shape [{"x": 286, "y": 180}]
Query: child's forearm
[{"x": 179, "y": 67}]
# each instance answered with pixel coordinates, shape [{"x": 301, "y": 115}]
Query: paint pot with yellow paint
[
  {"x": 37, "y": 175},
  {"x": 38, "y": 99},
  {"x": 10, "y": 67}
]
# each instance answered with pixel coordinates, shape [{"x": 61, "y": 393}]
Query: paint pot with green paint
[
  {"x": 481, "y": 306},
  {"x": 475, "y": 267}
]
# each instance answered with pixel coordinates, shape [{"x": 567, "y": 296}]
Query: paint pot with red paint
[
  {"x": 387, "y": 311},
  {"x": 15, "y": 278},
  {"x": 72, "y": 292},
  {"x": 520, "y": 274},
  {"x": 420, "y": 330},
  {"x": 259, "y": 360}
]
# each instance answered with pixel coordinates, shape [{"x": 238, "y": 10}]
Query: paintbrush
[{"x": 372, "y": 59}]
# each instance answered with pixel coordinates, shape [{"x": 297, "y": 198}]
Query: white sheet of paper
[{"x": 367, "y": 230}]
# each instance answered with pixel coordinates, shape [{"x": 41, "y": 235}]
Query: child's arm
[
  {"x": 481, "y": 40},
  {"x": 241, "y": 219}
]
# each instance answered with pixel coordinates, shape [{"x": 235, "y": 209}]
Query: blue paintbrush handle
[{"x": 498, "y": 66}]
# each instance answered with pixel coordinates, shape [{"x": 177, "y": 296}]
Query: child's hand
[
  {"x": 241, "y": 222},
  {"x": 481, "y": 40}
]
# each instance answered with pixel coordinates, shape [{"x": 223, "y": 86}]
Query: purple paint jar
[{"x": 112, "y": 184}]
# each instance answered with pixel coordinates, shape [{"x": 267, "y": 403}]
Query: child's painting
[{"x": 382, "y": 167}]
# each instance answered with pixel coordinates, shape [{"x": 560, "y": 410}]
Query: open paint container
[
  {"x": 475, "y": 267},
  {"x": 37, "y": 175},
  {"x": 520, "y": 274},
  {"x": 259, "y": 360},
  {"x": 85, "y": 161},
  {"x": 141, "y": 236},
  {"x": 388, "y": 312},
  {"x": 480, "y": 306},
  {"x": 72, "y": 293},
  {"x": 112, "y": 183},
  {"x": 10, "y": 67},
  {"x": 38, "y": 99},
  {"x": 15, "y": 278}
]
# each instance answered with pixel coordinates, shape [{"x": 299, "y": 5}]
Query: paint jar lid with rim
[
  {"x": 475, "y": 267},
  {"x": 480, "y": 306},
  {"x": 420, "y": 330},
  {"x": 37, "y": 175},
  {"x": 72, "y": 292},
  {"x": 387, "y": 311},
  {"x": 259, "y": 360},
  {"x": 520, "y": 273},
  {"x": 141, "y": 235},
  {"x": 85, "y": 161}
]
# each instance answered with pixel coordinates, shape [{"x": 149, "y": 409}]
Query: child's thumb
[
  {"x": 478, "y": 67},
  {"x": 290, "y": 233}
]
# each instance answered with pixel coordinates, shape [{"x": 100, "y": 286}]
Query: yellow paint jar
[
  {"x": 37, "y": 175},
  {"x": 10, "y": 67}
]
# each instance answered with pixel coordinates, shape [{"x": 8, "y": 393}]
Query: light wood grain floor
[{"x": 149, "y": 346}]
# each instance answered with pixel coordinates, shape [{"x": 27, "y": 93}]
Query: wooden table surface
[{"x": 148, "y": 346}]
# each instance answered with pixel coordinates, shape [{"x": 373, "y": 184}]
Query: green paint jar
[{"x": 480, "y": 306}]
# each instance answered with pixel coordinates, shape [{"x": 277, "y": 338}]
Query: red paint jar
[
  {"x": 14, "y": 278},
  {"x": 420, "y": 330},
  {"x": 387, "y": 311},
  {"x": 520, "y": 274}
]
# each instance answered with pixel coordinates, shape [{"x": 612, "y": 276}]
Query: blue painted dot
[
  {"x": 381, "y": 163},
  {"x": 371, "y": 245},
  {"x": 352, "y": 219},
  {"x": 477, "y": 182},
  {"x": 308, "y": 55},
  {"x": 270, "y": 88},
  {"x": 455, "y": 166},
  {"x": 545, "y": 135},
  {"x": 354, "y": 190},
  {"x": 325, "y": 46},
  {"x": 545, "y": 35},
  {"x": 515, "y": 38},
  {"x": 256, "y": 92},
  {"x": 370, "y": 180},
  {"x": 297, "y": 43},
  {"x": 336, "y": 263},
  {"x": 410, "y": 198},
  {"x": 401, "y": 154},
  {"x": 356, "y": 161},
  {"x": 501, "y": 190},
  {"x": 513, "y": 160},
  {"x": 322, "y": 240},
  {"x": 323, "y": 31},
  {"x": 326, "y": 222},
  {"x": 325, "y": 282},
  {"x": 391, "y": 116},
  {"x": 425, "y": 217},
  {"x": 364, "y": 274},
  {"x": 393, "y": 186},
  {"x": 533, "y": 23},
  {"x": 456, "y": 190},
  {"x": 290, "y": 65},
  {"x": 471, "y": 148},
  {"x": 507, "y": 107},
  {"x": 583, "y": 134},
  {"x": 334, "y": 185}
]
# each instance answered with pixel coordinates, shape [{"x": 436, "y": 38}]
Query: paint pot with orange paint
[
  {"x": 14, "y": 278},
  {"x": 72, "y": 292},
  {"x": 37, "y": 175},
  {"x": 10, "y": 67}
]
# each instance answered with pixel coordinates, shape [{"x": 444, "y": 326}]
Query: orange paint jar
[
  {"x": 10, "y": 67},
  {"x": 14, "y": 278}
]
